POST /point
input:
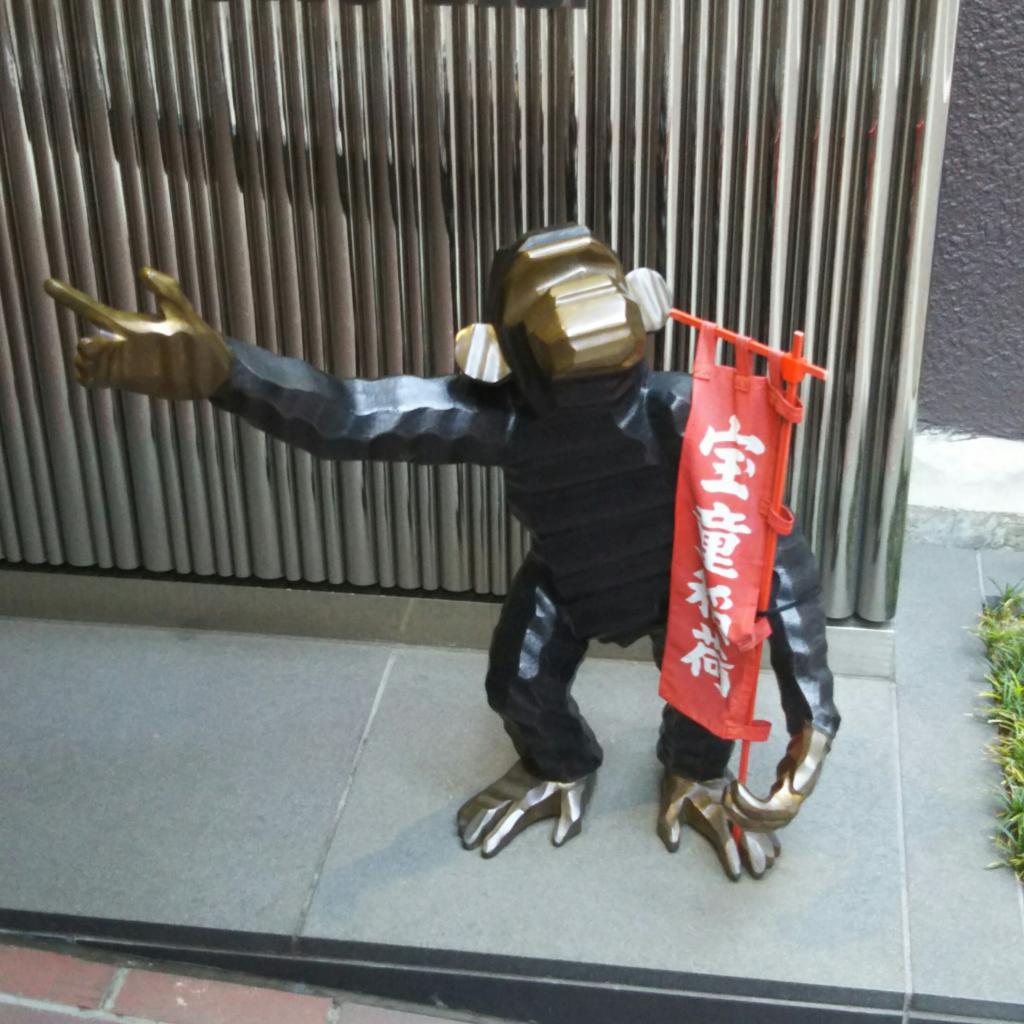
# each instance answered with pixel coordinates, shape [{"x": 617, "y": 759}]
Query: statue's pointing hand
[{"x": 177, "y": 355}]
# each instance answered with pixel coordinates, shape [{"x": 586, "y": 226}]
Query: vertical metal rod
[
  {"x": 890, "y": 466},
  {"x": 330, "y": 180}
]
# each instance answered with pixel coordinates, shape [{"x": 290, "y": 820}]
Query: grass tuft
[{"x": 1002, "y": 630}]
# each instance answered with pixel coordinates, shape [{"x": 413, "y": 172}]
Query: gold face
[
  {"x": 586, "y": 324},
  {"x": 571, "y": 298},
  {"x": 560, "y": 306}
]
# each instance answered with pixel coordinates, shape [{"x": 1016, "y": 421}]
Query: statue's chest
[{"x": 579, "y": 474}]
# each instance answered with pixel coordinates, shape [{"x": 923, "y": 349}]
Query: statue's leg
[
  {"x": 693, "y": 787},
  {"x": 533, "y": 660}
]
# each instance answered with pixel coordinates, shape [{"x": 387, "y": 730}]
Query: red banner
[{"x": 723, "y": 537}]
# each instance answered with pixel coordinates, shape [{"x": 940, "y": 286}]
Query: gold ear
[
  {"x": 649, "y": 290},
  {"x": 478, "y": 354}
]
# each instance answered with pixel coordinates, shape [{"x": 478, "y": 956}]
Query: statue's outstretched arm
[
  {"x": 180, "y": 356},
  {"x": 395, "y": 419}
]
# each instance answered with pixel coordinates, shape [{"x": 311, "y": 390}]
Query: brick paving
[
  {"x": 173, "y": 999},
  {"x": 40, "y": 986},
  {"x": 54, "y": 978}
]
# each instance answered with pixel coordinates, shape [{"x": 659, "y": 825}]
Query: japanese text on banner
[{"x": 731, "y": 462}]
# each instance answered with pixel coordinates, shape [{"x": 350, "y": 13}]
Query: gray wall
[{"x": 972, "y": 375}]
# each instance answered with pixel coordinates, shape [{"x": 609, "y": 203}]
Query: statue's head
[{"x": 559, "y": 308}]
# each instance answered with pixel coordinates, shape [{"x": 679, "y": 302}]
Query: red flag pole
[{"x": 792, "y": 368}]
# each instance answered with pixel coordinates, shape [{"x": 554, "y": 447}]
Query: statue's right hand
[{"x": 178, "y": 355}]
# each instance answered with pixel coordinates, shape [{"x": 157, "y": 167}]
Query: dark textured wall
[{"x": 972, "y": 377}]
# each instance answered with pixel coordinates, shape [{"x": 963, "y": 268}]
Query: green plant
[{"x": 1002, "y": 631}]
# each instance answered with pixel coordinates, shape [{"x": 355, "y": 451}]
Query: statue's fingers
[
  {"x": 172, "y": 300},
  {"x": 115, "y": 321},
  {"x": 92, "y": 346},
  {"x": 88, "y": 308},
  {"x": 532, "y": 807},
  {"x": 729, "y": 858},
  {"x": 759, "y": 851},
  {"x": 575, "y": 799},
  {"x": 511, "y": 824},
  {"x": 472, "y": 829},
  {"x": 92, "y": 359},
  {"x": 670, "y": 828},
  {"x": 750, "y": 812},
  {"x": 709, "y": 819},
  {"x": 567, "y": 827},
  {"x": 753, "y": 856}
]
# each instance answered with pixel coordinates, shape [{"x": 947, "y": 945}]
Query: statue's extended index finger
[{"x": 84, "y": 305}]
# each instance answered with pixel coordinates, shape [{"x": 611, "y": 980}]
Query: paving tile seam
[
  {"x": 981, "y": 575},
  {"x": 403, "y": 624},
  {"x": 343, "y": 800},
  {"x": 622, "y": 986},
  {"x": 309, "y": 951},
  {"x": 369, "y": 642},
  {"x": 16, "y": 925},
  {"x": 239, "y": 634},
  {"x": 114, "y": 989},
  {"x": 105, "y": 1014},
  {"x": 680, "y": 983},
  {"x": 920, "y": 1017},
  {"x": 358, "y": 641},
  {"x": 954, "y": 1018},
  {"x": 901, "y": 842}
]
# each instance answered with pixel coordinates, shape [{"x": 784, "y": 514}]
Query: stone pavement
[
  {"x": 41, "y": 986},
  {"x": 285, "y": 806}
]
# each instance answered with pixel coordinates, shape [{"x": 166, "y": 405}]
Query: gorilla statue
[{"x": 553, "y": 388}]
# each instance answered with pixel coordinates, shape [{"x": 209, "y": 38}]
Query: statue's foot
[
  {"x": 699, "y": 804},
  {"x": 497, "y": 814}
]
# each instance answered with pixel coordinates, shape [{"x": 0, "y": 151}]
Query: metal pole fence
[{"x": 329, "y": 179}]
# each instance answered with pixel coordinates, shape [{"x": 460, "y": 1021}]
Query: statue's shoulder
[{"x": 668, "y": 399}]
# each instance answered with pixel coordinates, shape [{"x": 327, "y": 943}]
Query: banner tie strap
[
  {"x": 761, "y": 631},
  {"x": 791, "y": 411},
  {"x": 780, "y": 520}
]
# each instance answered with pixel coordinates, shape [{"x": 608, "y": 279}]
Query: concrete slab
[
  {"x": 966, "y": 929},
  {"x": 173, "y": 776},
  {"x": 187, "y": 603},
  {"x": 964, "y": 528},
  {"x": 271, "y": 609},
  {"x": 176, "y": 789},
  {"x": 966, "y": 491},
  {"x": 829, "y": 914},
  {"x": 957, "y": 471}
]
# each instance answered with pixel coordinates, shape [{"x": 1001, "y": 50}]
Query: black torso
[{"x": 594, "y": 482}]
